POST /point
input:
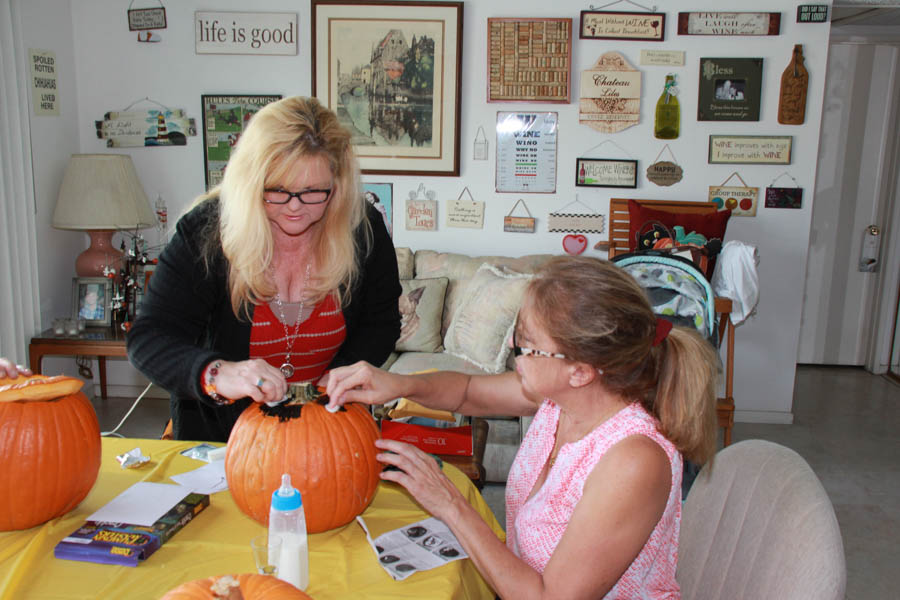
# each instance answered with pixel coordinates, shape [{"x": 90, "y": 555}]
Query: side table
[{"x": 94, "y": 341}]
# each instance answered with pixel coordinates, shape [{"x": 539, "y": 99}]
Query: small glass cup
[
  {"x": 59, "y": 327},
  {"x": 72, "y": 327},
  {"x": 266, "y": 552}
]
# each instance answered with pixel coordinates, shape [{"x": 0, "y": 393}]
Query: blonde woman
[
  {"x": 275, "y": 276},
  {"x": 593, "y": 499}
]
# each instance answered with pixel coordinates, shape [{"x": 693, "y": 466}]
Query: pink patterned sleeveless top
[{"x": 535, "y": 527}]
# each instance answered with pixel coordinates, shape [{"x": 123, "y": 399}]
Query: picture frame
[
  {"x": 729, "y": 89},
  {"x": 381, "y": 196},
  {"x": 529, "y": 60},
  {"x": 611, "y": 25},
  {"x": 224, "y": 118},
  {"x": 392, "y": 71},
  {"x": 750, "y": 149},
  {"x": 606, "y": 172},
  {"x": 91, "y": 300}
]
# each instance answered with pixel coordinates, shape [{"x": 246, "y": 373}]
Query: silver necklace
[{"x": 287, "y": 369}]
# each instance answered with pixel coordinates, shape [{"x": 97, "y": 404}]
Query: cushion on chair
[
  {"x": 711, "y": 225},
  {"x": 759, "y": 525}
]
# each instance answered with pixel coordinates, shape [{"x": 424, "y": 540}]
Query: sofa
[{"x": 457, "y": 313}]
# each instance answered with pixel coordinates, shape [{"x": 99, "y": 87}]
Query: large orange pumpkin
[
  {"x": 251, "y": 585},
  {"x": 330, "y": 456},
  {"x": 49, "y": 449}
]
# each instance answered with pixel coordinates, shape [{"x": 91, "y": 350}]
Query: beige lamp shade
[{"x": 102, "y": 191}]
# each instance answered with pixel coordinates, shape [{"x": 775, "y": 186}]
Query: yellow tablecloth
[{"x": 217, "y": 541}]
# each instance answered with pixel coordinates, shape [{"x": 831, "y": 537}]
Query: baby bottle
[{"x": 287, "y": 520}]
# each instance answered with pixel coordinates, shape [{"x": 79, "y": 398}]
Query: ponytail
[{"x": 685, "y": 399}]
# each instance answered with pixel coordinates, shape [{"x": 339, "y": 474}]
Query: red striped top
[{"x": 318, "y": 339}]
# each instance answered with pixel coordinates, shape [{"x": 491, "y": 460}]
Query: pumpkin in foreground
[
  {"x": 330, "y": 457},
  {"x": 247, "y": 586},
  {"x": 49, "y": 449}
]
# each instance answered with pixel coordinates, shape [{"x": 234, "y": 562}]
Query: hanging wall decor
[
  {"x": 729, "y": 89},
  {"x": 729, "y": 23},
  {"x": 391, "y": 72},
  {"x": 526, "y": 152},
  {"x": 529, "y": 60},
  {"x": 782, "y": 197},
  {"x": 610, "y": 94},
  {"x": 794, "y": 82},
  {"x": 141, "y": 19},
  {"x": 261, "y": 33},
  {"x": 606, "y": 25},
  {"x": 750, "y": 149},
  {"x": 480, "y": 146},
  {"x": 561, "y": 221},
  {"x": 224, "y": 119},
  {"x": 662, "y": 58},
  {"x": 381, "y": 196},
  {"x": 421, "y": 210},
  {"x": 465, "y": 213},
  {"x": 44, "y": 88},
  {"x": 605, "y": 172},
  {"x": 161, "y": 126},
  {"x": 513, "y": 224},
  {"x": 667, "y": 120},
  {"x": 741, "y": 201},
  {"x": 664, "y": 172},
  {"x": 575, "y": 244},
  {"x": 812, "y": 13}
]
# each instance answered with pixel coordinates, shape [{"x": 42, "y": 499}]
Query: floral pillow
[
  {"x": 483, "y": 322},
  {"x": 421, "y": 309}
]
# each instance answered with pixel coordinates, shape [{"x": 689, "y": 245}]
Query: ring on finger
[{"x": 260, "y": 382}]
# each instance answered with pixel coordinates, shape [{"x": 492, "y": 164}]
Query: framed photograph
[
  {"x": 381, "y": 196},
  {"x": 391, "y": 71},
  {"x": 529, "y": 60},
  {"x": 605, "y": 172},
  {"x": 729, "y": 89},
  {"x": 638, "y": 26},
  {"x": 224, "y": 119},
  {"x": 750, "y": 149},
  {"x": 91, "y": 298}
]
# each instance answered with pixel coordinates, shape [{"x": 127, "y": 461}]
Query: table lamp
[{"x": 100, "y": 194}]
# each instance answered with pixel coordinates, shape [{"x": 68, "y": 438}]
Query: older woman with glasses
[
  {"x": 593, "y": 499},
  {"x": 275, "y": 276}
]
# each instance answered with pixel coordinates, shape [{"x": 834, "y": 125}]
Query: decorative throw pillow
[
  {"x": 483, "y": 322},
  {"x": 421, "y": 308},
  {"x": 711, "y": 225}
]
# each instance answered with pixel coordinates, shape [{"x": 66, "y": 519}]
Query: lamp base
[{"x": 92, "y": 261}]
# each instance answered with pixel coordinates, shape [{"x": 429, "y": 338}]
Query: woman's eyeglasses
[
  {"x": 305, "y": 197},
  {"x": 520, "y": 351}
]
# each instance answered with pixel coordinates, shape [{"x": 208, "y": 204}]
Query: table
[
  {"x": 95, "y": 341},
  {"x": 342, "y": 564}
]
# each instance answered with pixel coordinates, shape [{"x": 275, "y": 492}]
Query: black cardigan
[{"x": 186, "y": 321}]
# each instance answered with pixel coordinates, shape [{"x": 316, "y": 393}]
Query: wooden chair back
[{"x": 619, "y": 240}]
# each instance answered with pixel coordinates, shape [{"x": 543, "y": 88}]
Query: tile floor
[{"x": 846, "y": 425}]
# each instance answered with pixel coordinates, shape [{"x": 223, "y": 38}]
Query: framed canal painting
[{"x": 391, "y": 73}]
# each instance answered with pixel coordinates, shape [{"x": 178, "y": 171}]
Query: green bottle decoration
[{"x": 668, "y": 115}]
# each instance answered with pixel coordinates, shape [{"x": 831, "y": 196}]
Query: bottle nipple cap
[{"x": 286, "y": 497}]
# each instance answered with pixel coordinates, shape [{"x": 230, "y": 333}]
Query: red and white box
[{"x": 434, "y": 440}]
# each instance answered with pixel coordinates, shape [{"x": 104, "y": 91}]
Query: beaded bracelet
[{"x": 209, "y": 386}]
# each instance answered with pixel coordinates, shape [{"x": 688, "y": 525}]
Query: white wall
[
  {"x": 47, "y": 25},
  {"x": 114, "y": 70}
]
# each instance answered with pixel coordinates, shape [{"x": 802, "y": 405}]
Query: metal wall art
[{"x": 526, "y": 152}]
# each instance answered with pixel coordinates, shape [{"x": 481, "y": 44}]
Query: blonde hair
[
  {"x": 598, "y": 314},
  {"x": 278, "y": 137}
]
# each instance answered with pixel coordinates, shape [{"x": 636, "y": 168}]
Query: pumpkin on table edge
[
  {"x": 49, "y": 449},
  {"x": 330, "y": 457},
  {"x": 249, "y": 586}
]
